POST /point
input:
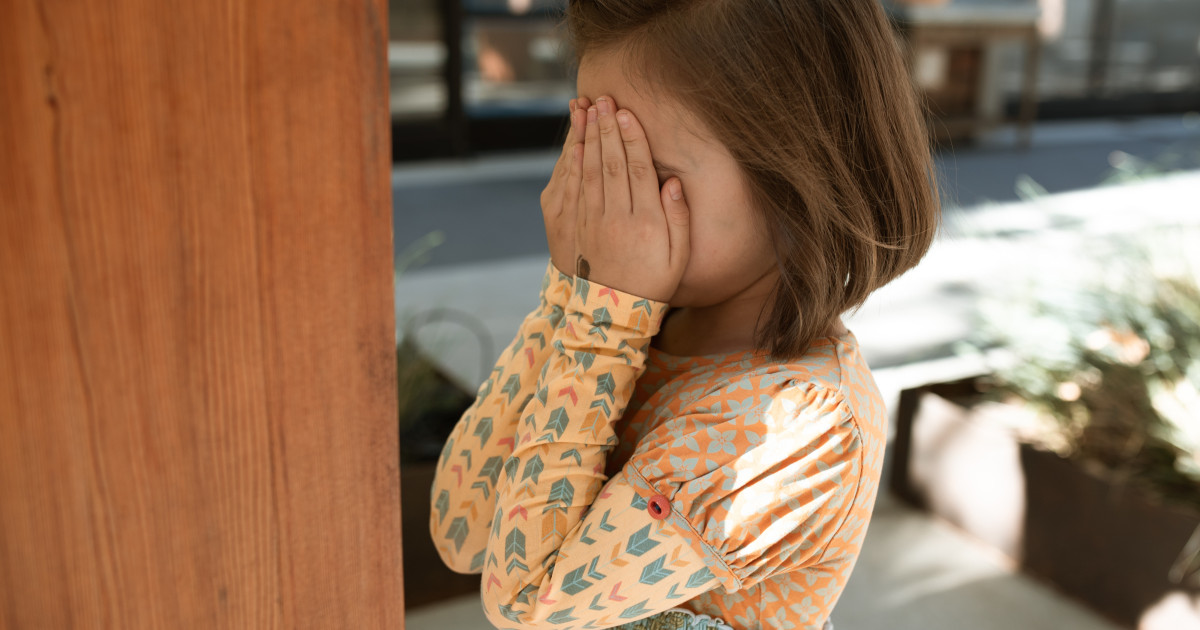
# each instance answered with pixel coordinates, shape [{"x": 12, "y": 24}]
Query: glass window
[{"x": 416, "y": 59}]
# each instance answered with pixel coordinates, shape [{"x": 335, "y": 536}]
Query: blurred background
[{"x": 1053, "y": 323}]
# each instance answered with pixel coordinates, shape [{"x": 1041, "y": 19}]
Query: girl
[{"x": 683, "y": 434}]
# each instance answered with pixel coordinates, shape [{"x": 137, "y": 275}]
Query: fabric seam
[
  {"x": 862, "y": 447},
  {"x": 714, "y": 552}
]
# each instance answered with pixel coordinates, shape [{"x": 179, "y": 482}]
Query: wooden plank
[{"x": 197, "y": 347}]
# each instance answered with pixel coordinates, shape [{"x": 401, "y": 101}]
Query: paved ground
[{"x": 915, "y": 571}]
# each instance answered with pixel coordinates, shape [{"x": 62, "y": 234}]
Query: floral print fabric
[{"x": 596, "y": 482}]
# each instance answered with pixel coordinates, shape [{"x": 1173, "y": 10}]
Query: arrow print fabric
[{"x": 596, "y": 482}]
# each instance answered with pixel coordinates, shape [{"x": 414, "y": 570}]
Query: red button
[{"x": 659, "y": 507}]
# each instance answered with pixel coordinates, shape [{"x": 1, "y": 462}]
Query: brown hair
[{"x": 813, "y": 99}]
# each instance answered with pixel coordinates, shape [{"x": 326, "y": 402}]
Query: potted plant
[{"x": 1078, "y": 455}]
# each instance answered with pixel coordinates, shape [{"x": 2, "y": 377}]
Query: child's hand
[
  {"x": 631, "y": 236},
  {"x": 560, "y": 198}
]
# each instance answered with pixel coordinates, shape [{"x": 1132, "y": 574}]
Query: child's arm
[
  {"x": 559, "y": 549},
  {"x": 463, "y": 493},
  {"x": 567, "y": 548}
]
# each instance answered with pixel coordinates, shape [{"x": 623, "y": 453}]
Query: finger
[
  {"x": 570, "y": 200},
  {"x": 562, "y": 166},
  {"x": 643, "y": 181},
  {"x": 567, "y": 186},
  {"x": 593, "y": 178},
  {"x": 612, "y": 156},
  {"x": 679, "y": 219}
]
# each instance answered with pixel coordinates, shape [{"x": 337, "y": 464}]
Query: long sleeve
[
  {"x": 463, "y": 492},
  {"x": 566, "y": 550},
  {"x": 750, "y": 479}
]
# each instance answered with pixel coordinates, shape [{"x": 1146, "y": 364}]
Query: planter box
[
  {"x": 430, "y": 405},
  {"x": 1103, "y": 543},
  {"x": 427, "y": 579}
]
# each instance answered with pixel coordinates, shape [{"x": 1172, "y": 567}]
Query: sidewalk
[{"x": 916, "y": 571}]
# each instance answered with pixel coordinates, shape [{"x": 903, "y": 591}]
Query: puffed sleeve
[{"x": 761, "y": 474}]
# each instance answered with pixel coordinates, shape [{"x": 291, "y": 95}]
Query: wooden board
[{"x": 197, "y": 346}]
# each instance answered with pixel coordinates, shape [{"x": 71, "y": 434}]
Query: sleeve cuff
[
  {"x": 556, "y": 286},
  {"x": 712, "y": 558},
  {"x": 609, "y": 307}
]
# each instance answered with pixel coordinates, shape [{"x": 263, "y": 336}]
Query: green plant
[
  {"x": 1114, "y": 362},
  {"x": 429, "y": 402},
  {"x": 1110, "y": 361}
]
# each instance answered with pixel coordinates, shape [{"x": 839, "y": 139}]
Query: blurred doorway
[{"x": 471, "y": 76}]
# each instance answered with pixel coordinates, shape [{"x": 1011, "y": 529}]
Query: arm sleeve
[
  {"x": 733, "y": 487},
  {"x": 567, "y": 549},
  {"x": 463, "y": 492},
  {"x": 761, "y": 475}
]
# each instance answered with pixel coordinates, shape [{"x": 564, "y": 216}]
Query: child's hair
[{"x": 813, "y": 99}]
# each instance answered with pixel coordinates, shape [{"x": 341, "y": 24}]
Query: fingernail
[
  {"x": 591, "y": 115},
  {"x": 604, "y": 105},
  {"x": 676, "y": 190},
  {"x": 623, "y": 119}
]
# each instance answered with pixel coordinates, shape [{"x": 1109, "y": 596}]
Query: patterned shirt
[{"x": 596, "y": 480}]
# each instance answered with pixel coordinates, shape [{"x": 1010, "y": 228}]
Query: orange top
[{"x": 596, "y": 481}]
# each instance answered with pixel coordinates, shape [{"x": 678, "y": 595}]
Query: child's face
[{"x": 731, "y": 254}]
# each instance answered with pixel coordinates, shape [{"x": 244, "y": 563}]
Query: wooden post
[{"x": 197, "y": 349}]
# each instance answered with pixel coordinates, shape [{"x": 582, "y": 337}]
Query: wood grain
[{"x": 197, "y": 347}]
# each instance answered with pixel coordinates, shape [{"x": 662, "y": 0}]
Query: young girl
[{"x": 683, "y": 434}]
